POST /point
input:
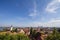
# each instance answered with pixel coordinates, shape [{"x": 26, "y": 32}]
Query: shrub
[
  {"x": 13, "y": 37},
  {"x": 54, "y": 36}
]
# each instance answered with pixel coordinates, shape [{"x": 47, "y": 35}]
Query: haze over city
[{"x": 30, "y": 13}]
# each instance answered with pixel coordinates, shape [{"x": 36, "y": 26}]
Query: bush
[
  {"x": 13, "y": 37},
  {"x": 54, "y": 36}
]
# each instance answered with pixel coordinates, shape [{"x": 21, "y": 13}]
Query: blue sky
[{"x": 30, "y": 12}]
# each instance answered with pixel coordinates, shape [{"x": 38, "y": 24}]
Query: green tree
[
  {"x": 32, "y": 34},
  {"x": 31, "y": 30},
  {"x": 54, "y": 36}
]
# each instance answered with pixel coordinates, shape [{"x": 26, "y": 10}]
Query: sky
[{"x": 29, "y": 13}]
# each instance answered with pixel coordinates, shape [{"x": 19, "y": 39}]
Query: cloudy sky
[{"x": 30, "y": 13}]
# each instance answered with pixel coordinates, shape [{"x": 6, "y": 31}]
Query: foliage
[
  {"x": 54, "y": 36},
  {"x": 31, "y": 31},
  {"x": 34, "y": 34},
  {"x": 13, "y": 37}
]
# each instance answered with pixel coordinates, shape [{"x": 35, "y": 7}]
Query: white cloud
[
  {"x": 59, "y": 0},
  {"x": 34, "y": 12},
  {"x": 21, "y": 18},
  {"x": 54, "y": 23},
  {"x": 51, "y": 23},
  {"x": 53, "y": 6}
]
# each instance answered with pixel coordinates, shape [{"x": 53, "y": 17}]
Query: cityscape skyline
[{"x": 24, "y": 13}]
